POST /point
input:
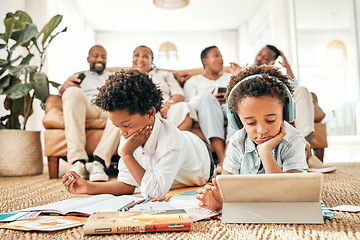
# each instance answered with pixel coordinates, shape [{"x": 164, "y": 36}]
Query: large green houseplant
[{"x": 21, "y": 82}]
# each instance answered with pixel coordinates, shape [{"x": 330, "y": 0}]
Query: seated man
[
  {"x": 201, "y": 91},
  {"x": 76, "y": 97}
]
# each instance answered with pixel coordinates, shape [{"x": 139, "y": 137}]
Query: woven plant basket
[{"x": 20, "y": 153}]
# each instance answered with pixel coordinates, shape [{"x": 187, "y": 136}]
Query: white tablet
[
  {"x": 271, "y": 198},
  {"x": 279, "y": 187}
]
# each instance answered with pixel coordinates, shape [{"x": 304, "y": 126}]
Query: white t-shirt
[
  {"x": 171, "y": 159},
  {"x": 304, "y": 121},
  {"x": 91, "y": 82},
  {"x": 167, "y": 83},
  {"x": 198, "y": 85}
]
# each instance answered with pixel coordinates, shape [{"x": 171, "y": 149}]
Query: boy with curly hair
[
  {"x": 260, "y": 100},
  {"x": 154, "y": 153}
]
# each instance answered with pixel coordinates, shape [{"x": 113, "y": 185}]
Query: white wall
[
  {"x": 68, "y": 52},
  {"x": 254, "y": 34}
]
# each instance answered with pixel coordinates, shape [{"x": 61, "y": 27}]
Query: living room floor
[{"x": 342, "y": 149}]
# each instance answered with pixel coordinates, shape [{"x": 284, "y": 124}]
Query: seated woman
[{"x": 174, "y": 109}]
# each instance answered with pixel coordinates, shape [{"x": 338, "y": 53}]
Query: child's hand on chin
[
  {"x": 210, "y": 197},
  {"x": 136, "y": 140},
  {"x": 74, "y": 183},
  {"x": 273, "y": 142}
]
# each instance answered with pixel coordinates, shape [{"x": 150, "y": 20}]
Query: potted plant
[{"x": 21, "y": 83}]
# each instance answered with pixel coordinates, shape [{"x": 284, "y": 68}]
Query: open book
[
  {"x": 137, "y": 221},
  {"x": 85, "y": 206}
]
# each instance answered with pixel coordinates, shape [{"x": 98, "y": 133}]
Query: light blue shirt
[{"x": 242, "y": 156}]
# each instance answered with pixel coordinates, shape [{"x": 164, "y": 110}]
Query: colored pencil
[
  {"x": 151, "y": 200},
  {"x": 126, "y": 205},
  {"x": 146, "y": 200},
  {"x": 133, "y": 204}
]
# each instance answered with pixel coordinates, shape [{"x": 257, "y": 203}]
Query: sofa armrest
[
  {"x": 319, "y": 114},
  {"x": 53, "y": 101}
]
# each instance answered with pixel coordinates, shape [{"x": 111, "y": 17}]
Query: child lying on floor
[
  {"x": 154, "y": 153},
  {"x": 259, "y": 101}
]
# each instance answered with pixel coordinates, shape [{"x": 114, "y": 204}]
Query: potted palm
[{"x": 21, "y": 83}]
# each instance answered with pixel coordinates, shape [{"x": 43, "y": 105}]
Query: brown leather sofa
[
  {"x": 319, "y": 142},
  {"x": 55, "y": 143}
]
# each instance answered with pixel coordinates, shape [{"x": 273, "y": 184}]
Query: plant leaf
[
  {"x": 16, "y": 107},
  {"x": 4, "y": 82},
  {"x": 23, "y": 19},
  {"x": 9, "y": 27},
  {"x": 50, "y": 26},
  {"x": 54, "y": 84},
  {"x": 52, "y": 37},
  {"x": 3, "y": 69},
  {"x": 27, "y": 59},
  {"x": 2, "y": 36},
  {"x": 41, "y": 85},
  {"x": 2, "y": 46},
  {"x": 21, "y": 69},
  {"x": 3, "y": 62},
  {"x": 26, "y": 35},
  {"x": 19, "y": 90}
]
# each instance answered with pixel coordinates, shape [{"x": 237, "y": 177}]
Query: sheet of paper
[
  {"x": 72, "y": 203},
  {"x": 9, "y": 217},
  {"x": 346, "y": 208},
  {"x": 46, "y": 223},
  {"x": 152, "y": 206},
  {"x": 183, "y": 202},
  {"x": 199, "y": 213},
  {"x": 88, "y": 205},
  {"x": 111, "y": 205}
]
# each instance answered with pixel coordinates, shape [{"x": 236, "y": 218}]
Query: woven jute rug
[{"x": 341, "y": 187}]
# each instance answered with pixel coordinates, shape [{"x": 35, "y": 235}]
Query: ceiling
[
  {"x": 204, "y": 15},
  {"x": 143, "y": 15}
]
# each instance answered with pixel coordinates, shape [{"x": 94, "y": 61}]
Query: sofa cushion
[
  {"x": 54, "y": 119},
  {"x": 319, "y": 138},
  {"x": 56, "y": 142}
]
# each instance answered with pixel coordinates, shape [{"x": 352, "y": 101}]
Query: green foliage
[{"x": 21, "y": 82}]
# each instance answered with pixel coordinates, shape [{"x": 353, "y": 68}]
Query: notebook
[{"x": 271, "y": 198}]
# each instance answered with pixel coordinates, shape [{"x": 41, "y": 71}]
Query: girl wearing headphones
[{"x": 260, "y": 105}]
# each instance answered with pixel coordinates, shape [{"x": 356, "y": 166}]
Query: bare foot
[{"x": 210, "y": 197}]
